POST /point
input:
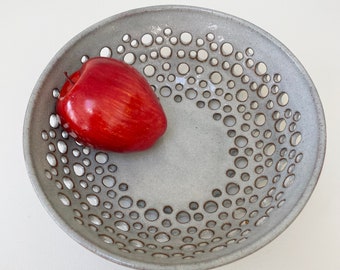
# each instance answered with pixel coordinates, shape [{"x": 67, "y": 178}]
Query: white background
[{"x": 33, "y": 31}]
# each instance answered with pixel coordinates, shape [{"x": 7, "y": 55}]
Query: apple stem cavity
[{"x": 68, "y": 78}]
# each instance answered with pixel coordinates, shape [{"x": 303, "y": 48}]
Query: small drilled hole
[
  {"x": 283, "y": 99},
  {"x": 215, "y": 77},
  {"x": 226, "y": 49},
  {"x": 191, "y": 93},
  {"x": 105, "y": 52},
  {"x": 147, "y": 40},
  {"x": 214, "y": 104},
  {"x": 185, "y": 38},
  {"x": 165, "y": 52},
  {"x": 149, "y": 70},
  {"x": 165, "y": 91},
  {"x": 178, "y": 98},
  {"x": 183, "y": 68},
  {"x": 167, "y": 209},
  {"x": 202, "y": 55},
  {"x": 232, "y": 188},
  {"x": 193, "y": 205},
  {"x": 237, "y": 70},
  {"x": 129, "y": 58},
  {"x": 260, "y": 68}
]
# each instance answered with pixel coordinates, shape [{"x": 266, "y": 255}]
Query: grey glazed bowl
[{"x": 241, "y": 156}]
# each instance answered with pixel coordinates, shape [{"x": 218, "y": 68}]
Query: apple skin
[{"x": 109, "y": 105}]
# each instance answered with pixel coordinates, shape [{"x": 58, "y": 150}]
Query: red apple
[{"x": 109, "y": 105}]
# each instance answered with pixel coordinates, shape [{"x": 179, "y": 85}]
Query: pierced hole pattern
[{"x": 243, "y": 95}]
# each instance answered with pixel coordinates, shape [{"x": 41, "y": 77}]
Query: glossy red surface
[{"x": 109, "y": 105}]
